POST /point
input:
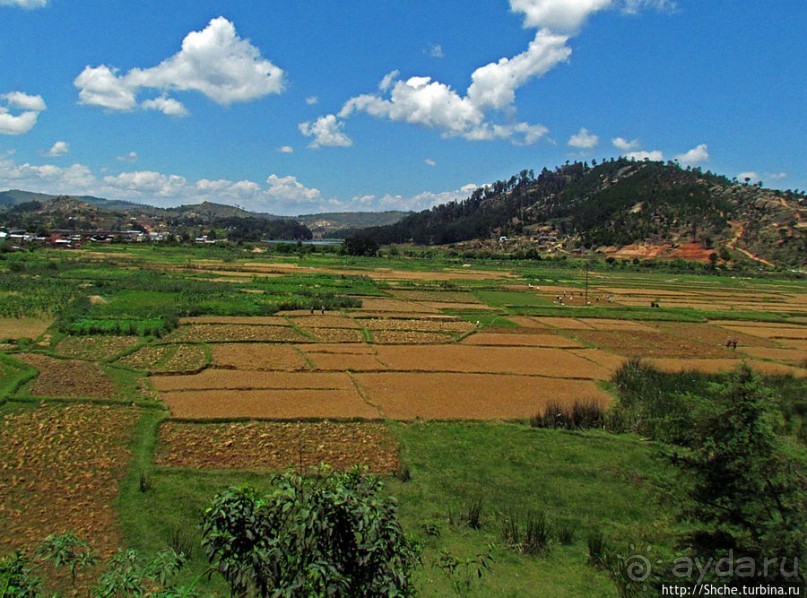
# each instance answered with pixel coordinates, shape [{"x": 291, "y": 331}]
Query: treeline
[{"x": 596, "y": 201}]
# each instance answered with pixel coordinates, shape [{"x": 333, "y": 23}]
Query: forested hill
[{"x": 617, "y": 203}]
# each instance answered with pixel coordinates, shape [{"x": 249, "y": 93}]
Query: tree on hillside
[
  {"x": 328, "y": 535},
  {"x": 361, "y": 245},
  {"x": 747, "y": 494}
]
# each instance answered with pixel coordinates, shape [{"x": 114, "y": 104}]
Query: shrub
[{"x": 333, "y": 534}]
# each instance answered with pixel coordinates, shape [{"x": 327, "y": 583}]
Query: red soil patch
[
  {"x": 69, "y": 378},
  {"x": 59, "y": 472},
  {"x": 695, "y": 252},
  {"x": 531, "y": 361},
  {"x": 258, "y": 356},
  {"x": 274, "y": 446},
  {"x": 471, "y": 396},
  {"x": 269, "y": 404}
]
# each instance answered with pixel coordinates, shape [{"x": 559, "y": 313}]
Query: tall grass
[{"x": 580, "y": 415}]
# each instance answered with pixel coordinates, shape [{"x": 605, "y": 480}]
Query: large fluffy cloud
[
  {"x": 215, "y": 62},
  {"x": 492, "y": 92},
  {"x": 19, "y": 112}
]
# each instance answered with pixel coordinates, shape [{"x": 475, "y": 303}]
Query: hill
[
  {"x": 619, "y": 207},
  {"x": 338, "y": 224}
]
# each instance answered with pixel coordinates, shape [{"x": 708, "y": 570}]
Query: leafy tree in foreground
[
  {"x": 748, "y": 493},
  {"x": 328, "y": 535}
]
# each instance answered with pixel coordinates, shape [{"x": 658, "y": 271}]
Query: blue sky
[{"x": 302, "y": 106}]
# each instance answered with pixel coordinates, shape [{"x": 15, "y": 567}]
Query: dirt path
[{"x": 756, "y": 258}]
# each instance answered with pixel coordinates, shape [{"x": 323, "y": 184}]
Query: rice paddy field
[{"x": 195, "y": 369}]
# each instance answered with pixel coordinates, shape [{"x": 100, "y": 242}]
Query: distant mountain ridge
[{"x": 619, "y": 207}]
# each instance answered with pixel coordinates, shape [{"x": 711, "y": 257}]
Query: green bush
[{"x": 329, "y": 535}]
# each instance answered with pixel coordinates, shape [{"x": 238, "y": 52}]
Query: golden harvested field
[
  {"x": 409, "y": 396},
  {"x": 60, "y": 467},
  {"x": 258, "y": 356},
  {"x": 269, "y": 404},
  {"x": 520, "y": 340},
  {"x": 795, "y": 357},
  {"x": 14, "y": 328},
  {"x": 712, "y": 366},
  {"x": 346, "y": 362},
  {"x": 277, "y": 446},
  {"x": 531, "y": 361}
]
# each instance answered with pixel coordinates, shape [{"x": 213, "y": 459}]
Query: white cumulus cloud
[
  {"x": 477, "y": 114},
  {"x": 27, "y": 109},
  {"x": 24, "y": 3},
  {"x": 430, "y": 162},
  {"x": 326, "y": 131},
  {"x": 168, "y": 106},
  {"x": 565, "y": 16},
  {"x": 584, "y": 139},
  {"x": 654, "y": 156},
  {"x": 697, "y": 155},
  {"x": 215, "y": 62},
  {"x": 625, "y": 145},
  {"x": 286, "y": 149},
  {"x": 60, "y": 148}
]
